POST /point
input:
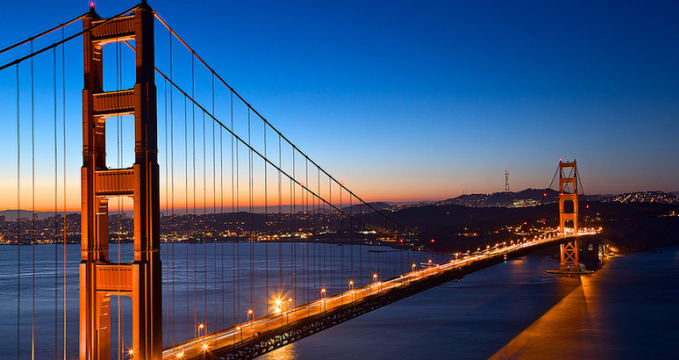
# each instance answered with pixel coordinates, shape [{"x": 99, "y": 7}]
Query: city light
[
  {"x": 205, "y": 346},
  {"x": 180, "y": 355}
]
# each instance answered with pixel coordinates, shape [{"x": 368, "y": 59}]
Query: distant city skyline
[{"x": 426, "y": 101}]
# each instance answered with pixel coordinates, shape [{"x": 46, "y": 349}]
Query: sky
[{"x": 421, "y": 100}]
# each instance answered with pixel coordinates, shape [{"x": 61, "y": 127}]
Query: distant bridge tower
[
  {"x": 568, "y": 193},
  {"x": 99, "y": 277}
]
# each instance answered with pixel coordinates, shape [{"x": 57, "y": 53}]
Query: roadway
[{"x": 285, "y": 313}]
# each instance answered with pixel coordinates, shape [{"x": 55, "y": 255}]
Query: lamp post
[
  {"x": 351, "y": 287},
  {"x": 323, "y": 298},
  {"x": 287, "y": 314},
  {"x": 251, "y": 317}
]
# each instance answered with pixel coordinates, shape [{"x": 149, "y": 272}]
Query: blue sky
[{"x": 427, "y": 100}]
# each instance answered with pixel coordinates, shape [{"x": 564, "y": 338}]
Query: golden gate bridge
[{"x": 221, "y": 176}]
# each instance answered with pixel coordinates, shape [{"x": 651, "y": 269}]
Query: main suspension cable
[
  {"x": 251, "y": 108},
  {"x": 57, "y": 43}
]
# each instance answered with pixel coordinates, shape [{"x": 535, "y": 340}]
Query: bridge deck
[{"x": 253, "y": 338}]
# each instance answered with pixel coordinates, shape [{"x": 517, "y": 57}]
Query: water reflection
[
  {"x": 623, "y": 311},
  {"x": 285, "y": 353},
  {"x": 627, "y": 310}
]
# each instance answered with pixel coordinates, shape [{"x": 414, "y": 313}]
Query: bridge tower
[
  {"x": 568, "y": 192},
  {"x": 99, "y": 277}
]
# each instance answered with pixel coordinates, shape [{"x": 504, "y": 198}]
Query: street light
[
  {"x": 287, "y": 314},
  {"x": 180, "y": 354},
  {"x": 130, "y": 352},
  {"x": 277, "y": 305},
  {"x": 200, "y": 328},
  {"x": 351, "y": 286},
  {"x": 251, "y": 312},
  {"x": 323, "y": 298}
]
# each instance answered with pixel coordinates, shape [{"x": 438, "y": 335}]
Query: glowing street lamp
[
  {"x": 251, "y": 313},
  {"x": 277, "y": 305},
  {"x": 250, "y": 317},
  {"x": 200, "y": 329},
  {"x": 130, "y": 352},
  {"x": 290, "y": 305},
  {"x": 180, "y": 354},
  {"x": 413, "y": 266}
]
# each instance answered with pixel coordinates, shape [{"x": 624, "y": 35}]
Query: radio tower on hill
[{"x": 506, "y": 180}]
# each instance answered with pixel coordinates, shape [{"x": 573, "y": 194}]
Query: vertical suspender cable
[
  {"x": 250, "y": 210},
  {"x": 56, "y": 201},
  {"x": 351, "y": 237},
  {"x": 238, "y": 221},
  {"x": 172, "y": 264},
  {"x": 341, "y": 232},
  {"x": 320, "y": 208},
  {"x": 266, "y": 228},
  {"x": 18, "y": 238},
  {"x": 280, "y": 219},
  {"x": 204, "y": 240},
  {"x": 331, "y": 227},
  {"x": 63, "y": 113},
  {"x": 214, "y": 209},
  {"x": 186, "y": 213},
  {"x": 306, "y": 215},
  {"x": 167, "y": 195},
  {"x": 193, "y": 228},
  {"x": 221, "y": 215},
  {"x": 233, "y": 227},
  {"x": 293, "y": 247},
  {"x": 33, "y": 214}
]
